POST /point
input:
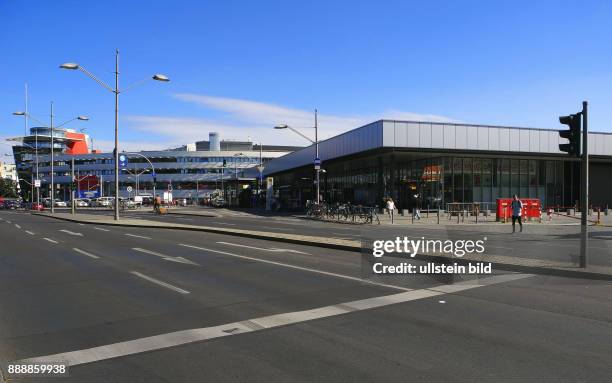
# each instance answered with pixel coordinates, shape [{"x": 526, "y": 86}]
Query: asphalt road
[{"x": 248, "y": 310}]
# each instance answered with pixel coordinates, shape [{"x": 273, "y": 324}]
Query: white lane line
[
  {"x": 101, "y": 229},
  {"x": 185, "y": 219},
  {"x": 71, "y": 233},
  {"x": 50, "y": 240},
  {"x": 9, "y": 222},
  {"x": 274, "y": 249},
  {"x": 137, "y": 236},
  {"x": 85, "y": 253},
  {"x": 223, "y": 223},
  {"x": 299, "y": 268},
  {"x": 160, "y": 283},
  {"x": 29, "y": 232},
  {"x": 177, "y": 338},
  {"x": 17, "y": 226},
  {"x": 166, "y": 257}
]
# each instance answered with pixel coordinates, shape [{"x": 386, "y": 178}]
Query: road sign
[
  {"x": 317, "y": 162},
  {"x": 36, "y": 183},
  {"x": 129, "y": 189},
  {"x": 169, "y": 187},
  {"x": 123, "y": 161},
  {"x": 317, "y": 167}
]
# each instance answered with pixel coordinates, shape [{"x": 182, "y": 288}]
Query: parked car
[
  {"x": 218, "y": 202},
  {"x": 104, "y": 201},
  {"x": 58, "y": 203},
  {"x": 37, "y": 206},
  {"x": 11, "y": 204},
  {"x": 81, "y": 202}
]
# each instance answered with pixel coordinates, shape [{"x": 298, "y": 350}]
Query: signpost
[{"x": 123, "y": 161}]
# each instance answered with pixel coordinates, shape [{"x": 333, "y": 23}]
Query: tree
[{"x": 7, "y": 188}]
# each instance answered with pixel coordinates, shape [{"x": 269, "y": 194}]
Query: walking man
[
  {"x": 417, "y": 208},
  {"x": 517, "y": 211},
  {"x": 391, "y": 209}
]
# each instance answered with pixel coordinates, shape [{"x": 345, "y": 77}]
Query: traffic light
[{"x": 573, "y": 134}]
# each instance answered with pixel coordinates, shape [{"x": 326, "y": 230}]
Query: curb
[
  {"x": 334, "y": 246},
  {"x": 553, "y": 271}
]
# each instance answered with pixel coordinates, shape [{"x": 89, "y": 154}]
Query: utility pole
[
  {"x": 72, "y": 205},
  {"x": 318, "y": 170},
  {"x": 584, "y": 190},
  {"x": 52, "y": 160}
]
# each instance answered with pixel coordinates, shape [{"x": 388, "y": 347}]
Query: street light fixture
[
  {"x": 116, "y": 91},
  {"x": 314, "y": 142}
]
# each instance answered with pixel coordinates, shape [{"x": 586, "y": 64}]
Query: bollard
[
  {"x": 438, "y": 216},
  {"x": 458, "y": 214},
  {"x": 412, "y": 215}
]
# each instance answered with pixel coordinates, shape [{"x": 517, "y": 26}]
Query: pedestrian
[
  {"x": 517, "y": 211},
  {"x": 391, "y": 209},
  {"x": 156, "y": 203},
  {"x": 417, "y": 210}
]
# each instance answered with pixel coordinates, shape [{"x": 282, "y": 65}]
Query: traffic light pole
[
  {"x": 72, "y": 202},
  {"x": 584, "y": 190}
]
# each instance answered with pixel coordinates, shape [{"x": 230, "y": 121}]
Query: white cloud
[{"x": 244, "y": 119}]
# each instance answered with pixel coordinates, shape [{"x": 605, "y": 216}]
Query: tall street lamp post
[
  {"x": 116, "y": 91},
  {"x": 316, "y": 143},
  {"x": 51, "y": 134}
]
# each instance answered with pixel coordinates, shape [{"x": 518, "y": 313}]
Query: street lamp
[
  {"x": 315, "y": 142},
  {"x": 51, "y": 131},
  {"x": 236, "y": 170},
  {"x": 116, "y": 91}
]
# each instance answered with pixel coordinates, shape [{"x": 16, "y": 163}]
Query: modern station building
[
  {"x": 186, "y": 172},
  {"x": 434, "y": 164}
]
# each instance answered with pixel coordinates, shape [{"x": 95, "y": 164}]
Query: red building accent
[{"x": 76, "y": 143}]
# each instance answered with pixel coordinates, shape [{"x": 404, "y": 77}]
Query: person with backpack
[{"x": 517, "y": 212}]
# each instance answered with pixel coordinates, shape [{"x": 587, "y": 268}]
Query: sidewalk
[{"x": 534, "y": 266}]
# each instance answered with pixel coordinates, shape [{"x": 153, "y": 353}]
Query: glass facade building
[{"x": 465, "y": 164}]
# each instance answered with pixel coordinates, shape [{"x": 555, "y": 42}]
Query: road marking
[
  {"x": 9, "y": 222},
  {"x": 274, "y": 249},
  {"x": 17, "y": 226},
  {"x": 224, "y": 223},
  {"x": 85, "y": 253},
  {"x": 166, "y": 257},
  {"x": 160, "y": 283},
  {"x": 299, "y": 268},
  {"x": 50, "y": 240},
  {"x": 137, "y": 236},
  {"x": 29, "y": 232},
  {"x": 185, "y": 219},
  {"x": 71, "y": 233},
  {"x": 101, "y": 229},
  {"x": 177, "y": 338}
]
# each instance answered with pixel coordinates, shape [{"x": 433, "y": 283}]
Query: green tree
[{"x": 7, "y": 188}]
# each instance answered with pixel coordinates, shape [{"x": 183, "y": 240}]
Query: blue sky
[{"x": 239, "y": 67}]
